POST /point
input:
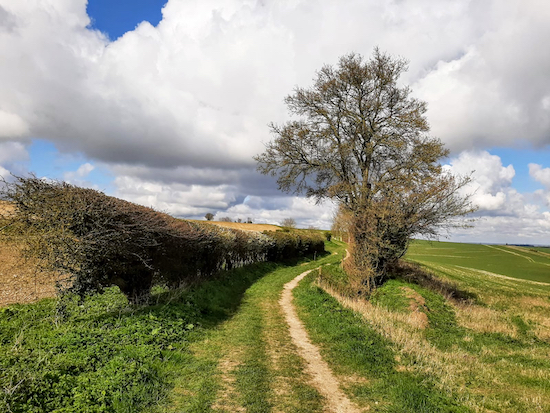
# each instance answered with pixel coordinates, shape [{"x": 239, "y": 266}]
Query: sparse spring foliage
[
  {"x": 288, "y": 223},
  {"x": 360, "y": 138}
]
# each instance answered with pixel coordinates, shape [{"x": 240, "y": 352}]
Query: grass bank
[
  {"x": 225, "y": 347},
  {"x": 489, "y": 352},
  {"x": 103, "y": 355},
  {"x": 190, "y": 350}
]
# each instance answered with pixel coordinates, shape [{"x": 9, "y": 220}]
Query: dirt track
[{"x": 322, "y": 377}]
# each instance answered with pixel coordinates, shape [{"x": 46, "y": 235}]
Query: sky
[{"x": 165, "y": 103}]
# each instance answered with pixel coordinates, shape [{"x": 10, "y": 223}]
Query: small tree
[
  {"x": 226, "y": 219},
  {"x": 209, "y": 216},
  {"x": 288, "y": 223},
  {"x": 361, "y": 139}
]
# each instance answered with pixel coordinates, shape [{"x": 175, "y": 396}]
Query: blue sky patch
[{"x": 116, "y": 17}]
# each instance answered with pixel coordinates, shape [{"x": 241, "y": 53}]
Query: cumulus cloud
[
  {"x": 177, "y": 111},
  {"x": 79, "y": 176},
  {"x": 199, "y": 88},
  {"x": 13, "y": 156},
  {"x": 273, "y": 211},
  {"x": 491, "y": 182},
  {"x": 497, "y": 92},
  {"x": 195, "y": 200},
  {"x": 181, "y": 200},
  {"x": 504, "y": 214},
  {"x": 540, "y": 174}
]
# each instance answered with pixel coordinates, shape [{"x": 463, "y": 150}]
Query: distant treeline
[{"x": 100, "y": 240}]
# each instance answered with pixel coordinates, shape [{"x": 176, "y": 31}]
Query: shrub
[{"x": 100, "y": 240}]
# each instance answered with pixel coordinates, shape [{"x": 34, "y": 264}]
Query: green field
[
  {"x": 541, "y": 249},
  {"x": 517, "y": 262}
]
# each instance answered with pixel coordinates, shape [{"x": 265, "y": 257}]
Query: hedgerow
[{"x": 99, "y": 241}]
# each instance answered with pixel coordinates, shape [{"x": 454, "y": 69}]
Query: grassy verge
[
  {"x": 480, "y": 338},
  {"x": 105, "y": 356},
  {"x": 375, "y": 373}
]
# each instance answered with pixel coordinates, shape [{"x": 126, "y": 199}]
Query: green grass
[
  {"x": 391, "y": 296},
  {"x": 522, "y": 263},
  {"x": 224, "y": 345},
  {"x": 504, "y": 333},
  {"x": 104, "y": 356},
  {"x": 539, "y": 249},
  {"x": 263, "y": 371},
  {"x": 353, "y": 347}
]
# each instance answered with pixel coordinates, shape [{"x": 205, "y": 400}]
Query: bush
[
  {"x": 100, "y": 240},
  {"x": 293, "y": 244},
  {"x": 328, "y": 235}
]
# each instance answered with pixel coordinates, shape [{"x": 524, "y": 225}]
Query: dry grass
[
  {"x": 20, "y": 279},
  {"x": 242, "y": 226},
  {"x": 409, "y": 340},
  {"x": 5, "y": 207},
  {"x": 417, "y": 312},
  {"x": 484, "y": 320},
  {"x": 227, "y": 397}
]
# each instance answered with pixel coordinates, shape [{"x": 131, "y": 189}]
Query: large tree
[{"x": 359, "y": 137}]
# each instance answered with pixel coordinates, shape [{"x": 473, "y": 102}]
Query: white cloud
[
  {"x": 177, "y": 199},
  {"x": 12, "y": 126},
  {"x": 273, "y": 211},
  {"x": 13, "y": 155},
  {"x": 496, "y": 92},
  {"x": 504, "y": 214},
  {"x": 194, "y": 201},
  {"x": 540, "y": 174},
  {"x": 491, "y": 182},
  {"x": 534, "y": 229},
  {"x": 79, "y": 176},
  {"x": 177, "y": 111},
  {"x": 199, "y": 88}
]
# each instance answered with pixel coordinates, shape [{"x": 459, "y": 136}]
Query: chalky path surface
[{"x": 322, "y": 377}]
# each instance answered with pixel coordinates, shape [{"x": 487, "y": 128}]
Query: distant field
[
  {"x": 242, "y": 226},
  {"x": 517, "y": 262},
  {"x": 20, "y": 280},
  {"x": 545, "y": 250},
  {"x": 5, "y": 207}
]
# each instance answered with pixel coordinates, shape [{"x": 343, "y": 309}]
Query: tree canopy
[
  {"x": 288, "y": 223},
  {"x": 359, "y": 137}
]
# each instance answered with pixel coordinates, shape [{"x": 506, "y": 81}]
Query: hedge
[{"x": 100, "y": 240}]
